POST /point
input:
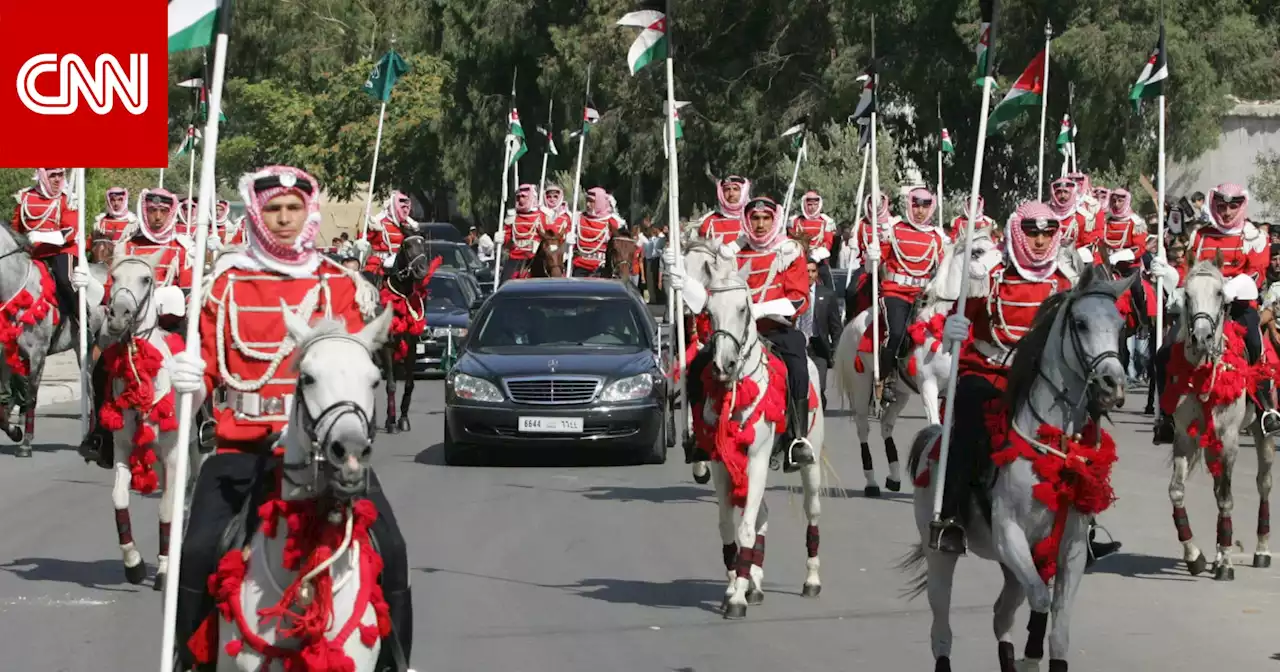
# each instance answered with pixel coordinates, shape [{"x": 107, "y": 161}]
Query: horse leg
[
  {"x": 860, "y": 398},
  {"x": 728, "y": 540},
  {"x": 811, "y": 482},
  {"x": 939, "y": 580},
  {"x": 1183, "y": 447},
  {"x": 1222, "y": 567},
  {"x": 1266, "y": 455},
  {"x": 1006, "y": 607},
  {"x": 701, "y": 473},
  {"x": 37, "y": 360},
  {"x": 1072, "y": 557},
  {"x": 887, "y": 422},
  {"x": 135, "y": 570},
  {"x": 755, "y": 592},
  {"x": 390, "y": 367},
  {"x": 1014, "y": 552},
  {"x": 407, "y": 397},
  {"x": 757, "y": 472},
  {"x": 168, "y": 460}
]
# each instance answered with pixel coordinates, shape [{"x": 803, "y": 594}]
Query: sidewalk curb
[{"x": 57, "y": 393}]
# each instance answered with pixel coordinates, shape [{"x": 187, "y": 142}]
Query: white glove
[
  {"x": 955, "y": 329},
  {"x": 570, "y": 238},
  {"x": 186, "y": 372},
  {"x": 363, "y": 246},
  {"x": 213, "y": 244},
  {"x": 727, "y": 252},
  {"x": 872, "y": 259},
  {"x": 79, "y": 277},
  {"x": 1086, "y": 255},
  {"x": 1240, "y": 288},
  {"x": 676, "y": 281},
  {"x": 668, "y": 258},
  {"x": 1162, "y": 270}
]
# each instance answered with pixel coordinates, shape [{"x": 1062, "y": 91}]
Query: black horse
[{"x": 404, "y": 286}]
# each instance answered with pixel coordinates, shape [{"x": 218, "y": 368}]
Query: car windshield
[
  {"x": 445, "y": 293},
  {"x": 453, "y": 256},
  {"x": 561, "y": 321}
]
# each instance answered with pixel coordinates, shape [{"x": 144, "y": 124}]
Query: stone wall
[{"x": 1248, "y": 130}]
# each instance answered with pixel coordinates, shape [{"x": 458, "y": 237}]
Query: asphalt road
[{"x": 551, "y": 566}]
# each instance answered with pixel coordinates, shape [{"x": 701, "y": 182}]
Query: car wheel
[
  {"x": 457, "y": 454},
  {"x": 657, "y": 452},
  {"x": 669, "y": 440}
]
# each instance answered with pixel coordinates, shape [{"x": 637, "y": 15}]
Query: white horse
[
  {"x": 1066, "y": 371},
  {"x": 928, "y": 367},
  {"x": 326, "y": 468},
  {"x": 140, "y": 406},
  {"x": 740, "y": 359},
  {"x": 1204, "y": 342}
]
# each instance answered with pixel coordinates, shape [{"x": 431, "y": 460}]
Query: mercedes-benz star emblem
[{"x": 552, "y": 364}]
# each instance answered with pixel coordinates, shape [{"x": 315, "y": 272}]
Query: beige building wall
[
  {"x": 342, "y": 216},
  {"x": 1249, "y": 129}
]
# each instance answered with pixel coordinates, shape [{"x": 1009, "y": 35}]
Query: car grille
[{"x": 552, "y": 390}]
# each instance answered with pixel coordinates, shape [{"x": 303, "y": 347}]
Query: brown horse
[
  {"x": 619, "y": 257},
  {"x": 548, "y": 261}
]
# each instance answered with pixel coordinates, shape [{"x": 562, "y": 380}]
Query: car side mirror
[{"x": 475, "y": 305}]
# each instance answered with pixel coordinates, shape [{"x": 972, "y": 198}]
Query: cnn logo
[{"x": 100, "y": 87}]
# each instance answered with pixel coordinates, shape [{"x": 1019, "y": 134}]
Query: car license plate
[
  {"x": 551, "y": 425},
  {"x": 422, "y": 348}
]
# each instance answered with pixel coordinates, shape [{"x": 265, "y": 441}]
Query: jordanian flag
[
  {"x": 796, "y": 132},
  {"x": 590, "y": 117},
  {"x": 947, "y": 147},
  {"x": 1150, "y": 83},
  {"x": 551, "y": 141},
  {"x": 192, "y": 23},
  {"x": 189, "y": 144},
  {"x": 651, "y": 44},
  {"x": 983, "y": 48},
  {"x": 679, "y": 126},
  {"x": 1066, "y": 135},
  {"x": 1024, "y": 95},
  {"x": 515, "y": 130}
]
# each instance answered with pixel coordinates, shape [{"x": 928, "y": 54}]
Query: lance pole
[
  {"x": 873, "y": 215},
  {"x": 856, "y": 239},
  {"x": 1160, "y": 230},
  {"x": 500, "y": 241},
  {"x": 546, "y": 153},
  {"x": 574, "y": 213},
  {"x": 941, "y": 215},
  {"x": 1044, "y": 108},
  {"x": 83, "y": 307},
  {"x": 795, "y": 175},
  {"x": 373, "y": 172}
]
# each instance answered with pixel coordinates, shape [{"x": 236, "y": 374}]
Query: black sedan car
[
  {"x": 451, "y": 299},
  {"x": 441, "y": 231},
  {"x": 559, "y": 361},
  {"x": 460, "y": 257}
]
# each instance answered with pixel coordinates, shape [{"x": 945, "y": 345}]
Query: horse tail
[
  {"x": 919, "y": 447},
  {"x": 914, "y": 561},
  {"x": 846, "y": 359}
]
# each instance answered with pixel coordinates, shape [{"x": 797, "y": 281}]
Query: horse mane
[
  {"x": 1028, "y": 351},
  {"x": 1206, "y": 267},
  {"x": 323, "y": 328},
  {"x": 18, "y": 238}
]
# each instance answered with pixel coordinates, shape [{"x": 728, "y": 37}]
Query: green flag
[
  {"x": 384, "y": 76},
  {"x": 516, "y": 130},
  {"x": 947, "y": 147},
  {"x": 189, "y": 144},
  {"x": 192, "y": 23},
  {"x": 1154, "y": 74}
]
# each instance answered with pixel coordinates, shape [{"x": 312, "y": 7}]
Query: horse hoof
[
  {"x": 15, "y": 434},
  {"x": 871, "y": 491},
  {"x": 389, "y": 427},
  {"x": 23, "y": 451},
  {"x": 1197, "y": 566},
  {"x": 724, "y": 604},
  {"x": 942, "y": 664},
  {"x": 735, "y": 611},
  {"x": 136, "y": 574},
  {"x": 159, "y": 582},
  {"x": 755, "y": 597},
  {"x": 1029, "y": 665},
  {"x": 892, "y": 485},
  {"x": 404, "y": 423},
  {"x": 811, "y": 590},
  {"x": 1262, "y": 560},
  {"x": 702, "y": 479},
  {"x": 1057, "y": 665},
  {"x": 1224, "y": 573}
]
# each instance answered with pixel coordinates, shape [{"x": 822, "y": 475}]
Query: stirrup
[{"x": 947, "y": 529}]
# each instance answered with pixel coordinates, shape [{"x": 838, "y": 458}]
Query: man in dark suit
[{"x": 822, "y": 326}]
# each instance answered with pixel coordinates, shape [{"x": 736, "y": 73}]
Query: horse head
[
  {"x": 1205, "y": 301},
  {"x": 411, "y": 260},
  {"x": 551, "y": 252},
  {"x": 1073, "y": 348},
  {"x": 621, "y": 252},
  {"x": 131, "y": 308},
  {"x": 331, "y": 424},
  {"x": 733, "y": 325},
  {"x": 945, "y": 285}
]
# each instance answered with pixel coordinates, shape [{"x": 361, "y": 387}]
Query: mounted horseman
[
  {"x": 171, "y": 257},
  {"x": 818, "y": 233},
  {"x": 115, "y": 223},
  {"x": 187, "y": 216},
  {"x": 248, "y": 356},
  {"x": 776, "y": 273},
  {"x": 593, "y": 235},
  {"x": 857, "y": 296},
  {"x": 521, "y": 234},
  {"x": 559, "y": 221},
  {"x": 724, "y": 224},
  {"x": 909, "y": 254},
  {"x": 1122, "y": 228},
  {"x": 960, "y": 221},
  {"x": 1032, "y": 268},
  {"x": 233, "y": 233},
  {"x": 47, "y": 217},
  {"x": 386, "y": 231},
  {"x": 1080, "y": 228},
  {"x": 1245, "y": 255}
]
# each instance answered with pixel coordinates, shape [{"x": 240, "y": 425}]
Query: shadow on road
[
  {"x": 669, "y": 494},
  {"x": 678, "y": 594},
  {"x": 1142, "y": 566},
  {"x": 559, "y": 456},
  {"x": 97, "y": 574},
  {"x": 38, "y": 448}
]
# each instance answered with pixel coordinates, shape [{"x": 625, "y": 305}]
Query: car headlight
[
  {"x": 475, "y": 389},
  {"x": 628, "y": 389},
  {"x": 445, "y": 332}
]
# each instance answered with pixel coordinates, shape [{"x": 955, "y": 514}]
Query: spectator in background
[
  {"x": 848, "y": 255},
  {"x": 821, "y": 325},
  {"x": 345, "y": 248},
  {"x": 653, "y": 248},
  {"x": 351, "y": 263},
  {"x": 484, "y": 247}
]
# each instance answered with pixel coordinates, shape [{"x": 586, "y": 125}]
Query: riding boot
[
  {"x": 400, "y": 606},
  {"x": 97, "y": 446},
  {"x": 193, "y": 607},
  {"x": 1163, "y": 433},
  {"x": 1270, "y": 417},
  {"x": 947, "y": 533},
  {"x": 797, "y": 450}
]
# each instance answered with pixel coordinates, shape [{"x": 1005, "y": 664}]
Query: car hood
[
  {"x": 451, "y": 317},
  {"x": 526, "y": 361}
]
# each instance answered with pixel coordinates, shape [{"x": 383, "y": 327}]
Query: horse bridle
[
  {"x": 416, "y": 261},
  {"x": 315, "y": 460},
  {"x": 1215, "y": 323},
  {"x": 140, "y": 304},
  {"x": 740, "y": 343},
  {"x": 1077, "y": 346}
]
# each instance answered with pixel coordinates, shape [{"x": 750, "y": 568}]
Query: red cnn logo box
[{"x": 84, "y": 83}]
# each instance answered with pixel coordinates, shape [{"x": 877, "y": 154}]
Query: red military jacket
[
  {"x": 1246, "y": 252},
  {"x": 958, "y": 224},
  {"x": 175, "y": 262},
  {"x": 909, "y": 258},
  {"x": 720, "y": 228},
  {"x": 245, "y": 345},
  {"x": 233, "y": 233},
  {"x": 1002, "y": 318},
  {"x": 593, "y": 241},
  {"x": 46, "y": 217},
  {"x": 1082, "y": 228},
  {"x": 384, "y": 236},
  {"x": 556, "y": 224},
  {"x": 113, "y": 228},
  {"x": 820, "y": 232},
  {"x": 780, "y": 273},
  {"x": 520, "y": 238},
  {"x": 1120, "y": 234}
]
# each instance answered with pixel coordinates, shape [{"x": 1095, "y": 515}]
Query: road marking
[{"x": 46, "y": 601}]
